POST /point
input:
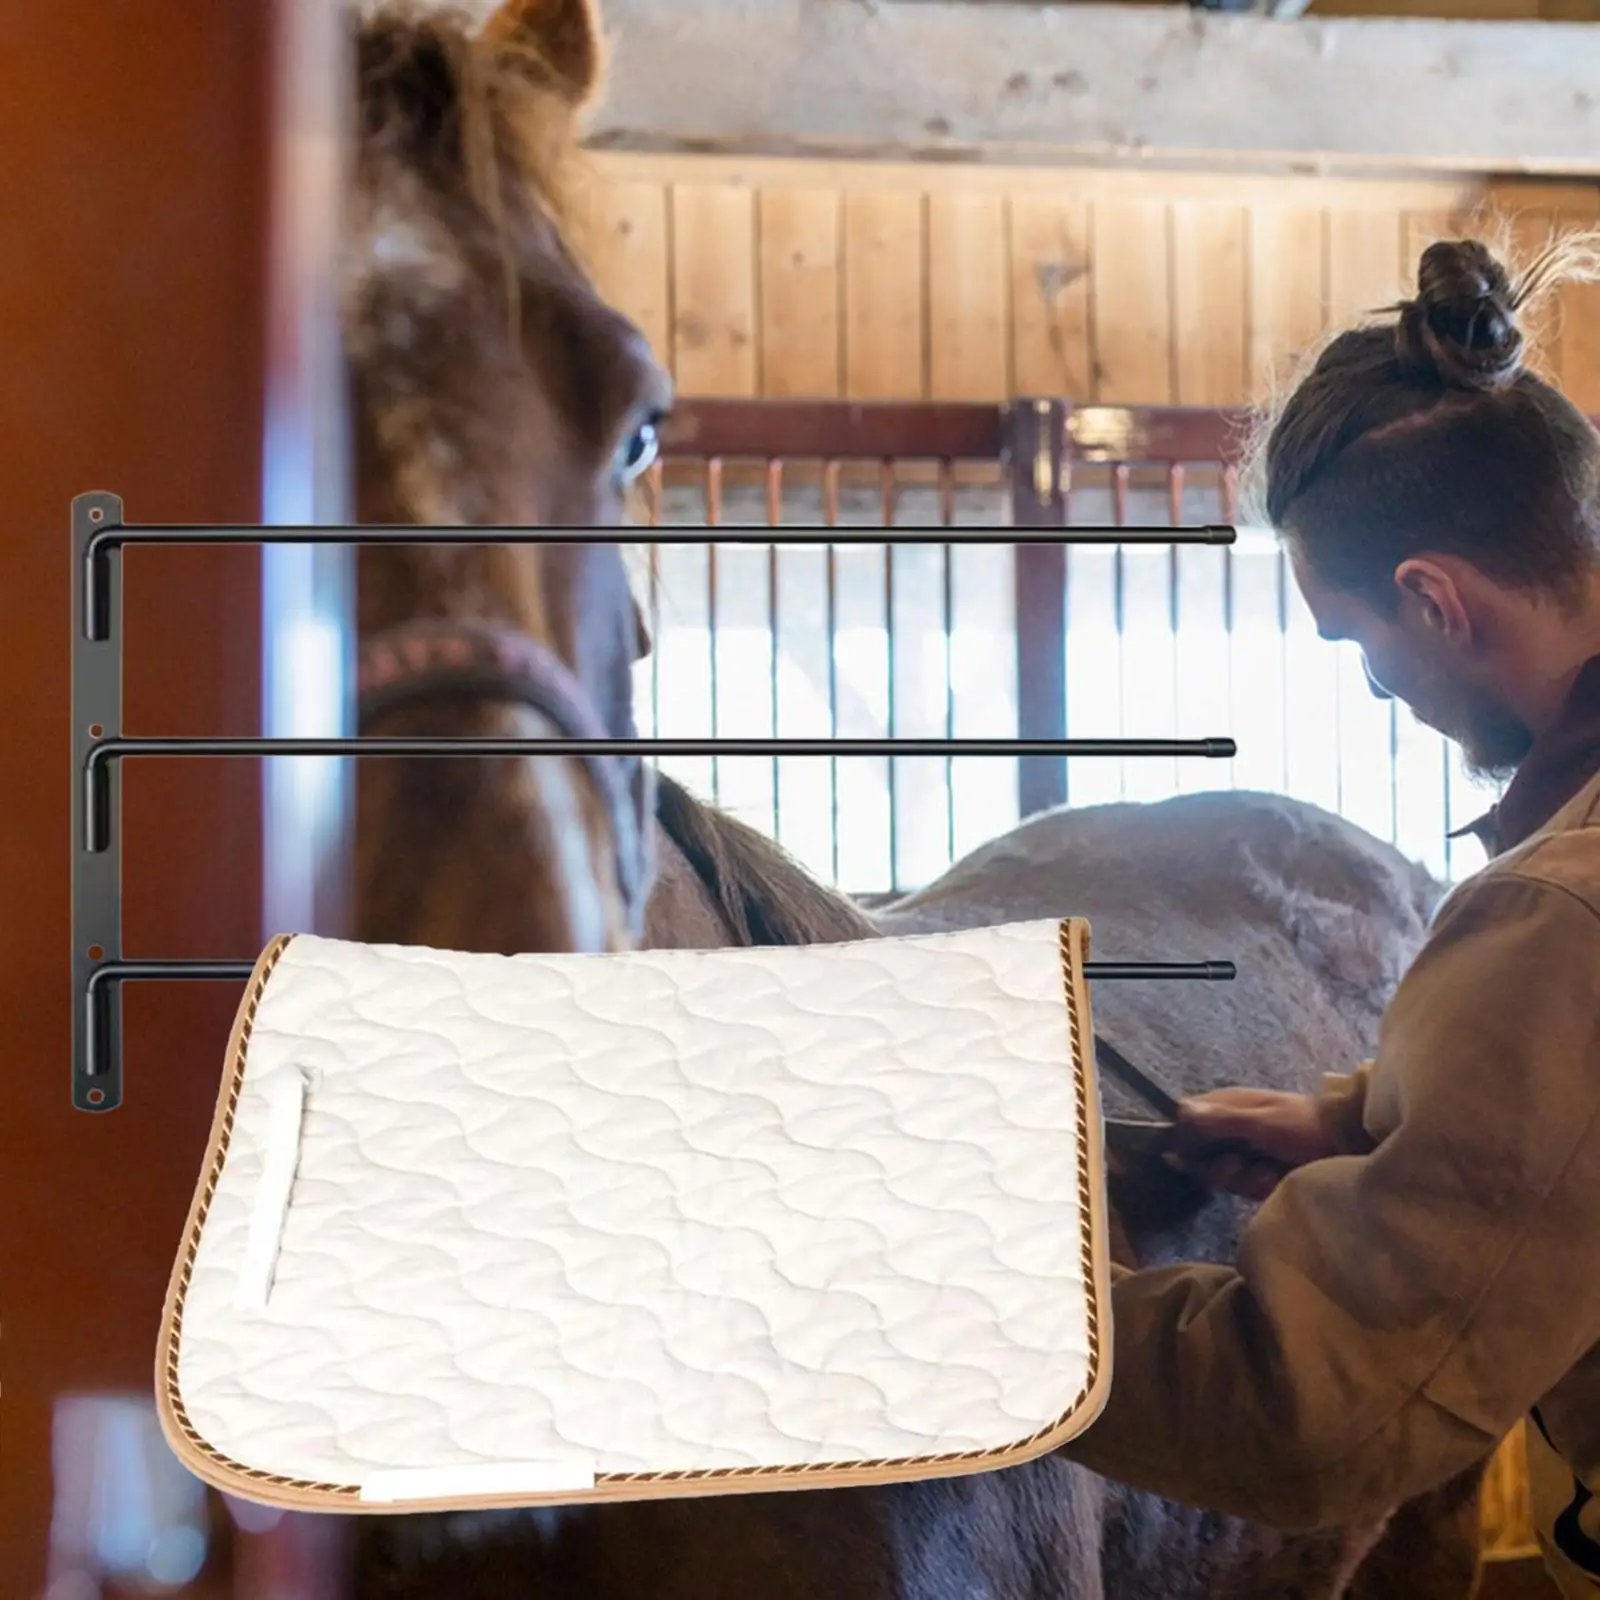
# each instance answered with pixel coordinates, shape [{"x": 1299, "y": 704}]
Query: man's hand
[{"x": 1246, "y": 1140}]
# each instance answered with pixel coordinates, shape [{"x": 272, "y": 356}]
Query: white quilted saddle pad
[{"x": 478, "y": 1230}]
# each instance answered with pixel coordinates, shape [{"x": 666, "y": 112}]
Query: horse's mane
[{"x": 762, "y": 893}]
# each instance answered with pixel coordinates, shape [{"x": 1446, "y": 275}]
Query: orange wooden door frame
[{"x": 136, "y": 162}]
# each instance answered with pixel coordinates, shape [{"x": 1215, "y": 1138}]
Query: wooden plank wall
[{"x": 817, "y": 279}]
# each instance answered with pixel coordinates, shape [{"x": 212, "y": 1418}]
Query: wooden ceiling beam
[{"x": 1018, "y": 83}]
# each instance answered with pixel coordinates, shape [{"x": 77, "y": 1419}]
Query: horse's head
[{"x": 491, "y": 385}]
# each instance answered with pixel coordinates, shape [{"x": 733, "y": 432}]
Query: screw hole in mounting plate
[
  {"x": 97, "y": 515},
  {"x": 95, "y": 1096},
  {"x": 95, "y": 730},
  {"x": 95, "y": 952}
]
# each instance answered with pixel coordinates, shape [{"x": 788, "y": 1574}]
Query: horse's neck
[
  {"x": 684, "y": 914},
  {"x": 681, "y": 914},
  {"x": 475, "y": 854}
]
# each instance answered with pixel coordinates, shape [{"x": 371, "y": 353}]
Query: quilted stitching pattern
[{"x": 665, "y": 1211}]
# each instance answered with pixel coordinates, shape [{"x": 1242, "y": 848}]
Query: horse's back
[{"x": 1320, "y": 917}]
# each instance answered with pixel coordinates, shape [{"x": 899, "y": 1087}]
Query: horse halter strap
[{"x": 436, "y": 659}]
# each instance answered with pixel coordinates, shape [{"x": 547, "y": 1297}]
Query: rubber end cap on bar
[
  {"x": 1219, "y": 533},
  {"x": 1220, "y": 748},
  {"x": 1220, "y": 972}
]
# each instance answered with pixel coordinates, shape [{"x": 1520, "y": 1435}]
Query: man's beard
[{"x": 1492, "y": 739}]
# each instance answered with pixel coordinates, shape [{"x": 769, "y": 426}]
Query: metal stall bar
[
  {"x": 99, "y": 746},
  {"x": 1038, "y": 458}
]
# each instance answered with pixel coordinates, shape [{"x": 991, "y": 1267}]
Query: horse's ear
[{"x": 564, "y": 34}]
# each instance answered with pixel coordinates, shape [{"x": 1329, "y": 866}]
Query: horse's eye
[{"x": 638, "y": 451}]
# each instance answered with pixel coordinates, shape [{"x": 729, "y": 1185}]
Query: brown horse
[{"x": 491, "y": 386}]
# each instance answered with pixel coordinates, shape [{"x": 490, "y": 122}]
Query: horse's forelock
[
  {"x": 470, "y": 136},
  {"x": 439, "y": 92},
  {"x": 460, "y": 199}
]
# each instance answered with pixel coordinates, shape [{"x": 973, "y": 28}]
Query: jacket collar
[{"x": 1563, "y": 759}]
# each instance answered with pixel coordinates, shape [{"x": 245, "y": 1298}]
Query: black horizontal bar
[
  {"x": 721, "y": 533},
  {"x": 199, "y": 970},
  {"x": 471, "y": 745},
  {"x": 103, "y": 980},
  {"x": 1191, "y": 971},
  {"x": 109, "y": 972},
  {"x": 95, "y": 621},
  {"x": 97, "y": 766}
]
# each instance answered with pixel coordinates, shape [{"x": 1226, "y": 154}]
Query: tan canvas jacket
[{"x": 1395, "y": 1310}]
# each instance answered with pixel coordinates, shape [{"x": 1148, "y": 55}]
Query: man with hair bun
[{"x": 1425, "y": 1268}]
